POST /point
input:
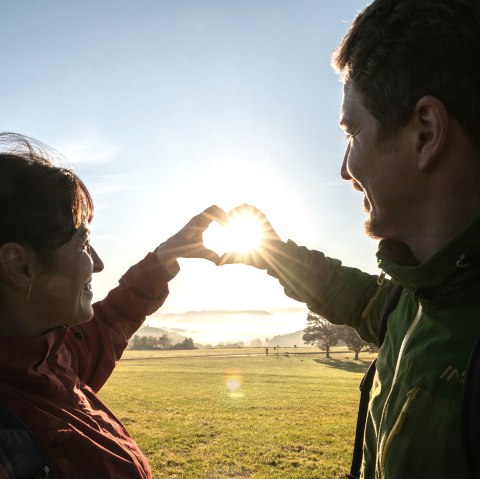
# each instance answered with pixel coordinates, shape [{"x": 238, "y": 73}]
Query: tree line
[
  {"x": 159, "y": 342},
  {"x": 319, "y": 332},
  {"x": 325, "y": 335}
]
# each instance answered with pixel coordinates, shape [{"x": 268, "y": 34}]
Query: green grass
[{"x": 258, "y": 417}]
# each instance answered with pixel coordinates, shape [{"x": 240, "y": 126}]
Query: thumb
[{"x": 210, "y": 255}]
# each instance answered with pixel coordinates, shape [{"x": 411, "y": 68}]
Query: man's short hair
[{"x": 398, "y": 51}]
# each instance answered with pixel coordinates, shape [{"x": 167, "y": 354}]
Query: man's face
[{"x": 382, "y": 170}]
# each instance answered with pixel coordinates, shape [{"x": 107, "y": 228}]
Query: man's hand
[
  {"x": 262, "y": 256},
  {"x": 188, "y": 242}
]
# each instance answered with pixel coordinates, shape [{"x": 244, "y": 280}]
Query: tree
[
  {"x": 238, "y": 344},
  {"x": 143, "y": 342},
  {"x": 256, "y": 343},
  {"x": 164, "y": 341},
  {"x": 187, "y": 343},
  {"x": 353, "y": 341},
  {"x": 321, "y": 333}
]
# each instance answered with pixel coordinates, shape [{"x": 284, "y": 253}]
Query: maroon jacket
[{"x": 50, "y": 382}]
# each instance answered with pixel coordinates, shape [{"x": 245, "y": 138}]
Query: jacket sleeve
[
  {"x": 338, "y": 293},
  {"x": 96, "y": 346}
]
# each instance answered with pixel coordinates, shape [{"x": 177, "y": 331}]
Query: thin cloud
[
  {"x": 108, "y": 184},
  {"x": 89, "y": 151}
]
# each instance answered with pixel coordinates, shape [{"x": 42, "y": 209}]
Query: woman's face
[{"x": 63, "y": 294}]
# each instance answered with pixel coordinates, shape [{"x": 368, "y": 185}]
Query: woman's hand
[{"x": 188, "y": 242}]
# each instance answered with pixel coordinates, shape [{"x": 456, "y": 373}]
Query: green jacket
[{"x": 413, "y": 427}]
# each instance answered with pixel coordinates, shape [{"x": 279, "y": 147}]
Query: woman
[{"x": 56, "y": 348}]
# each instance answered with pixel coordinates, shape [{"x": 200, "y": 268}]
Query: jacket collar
[
  {"x": 27, "y": 359},
  {"x": 448, "y": 273}
]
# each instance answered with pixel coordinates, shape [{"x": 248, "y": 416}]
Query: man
[{"x": 410, "y": 110}]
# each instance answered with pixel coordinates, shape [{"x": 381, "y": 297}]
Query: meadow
[{"x": 238, "y": 414}]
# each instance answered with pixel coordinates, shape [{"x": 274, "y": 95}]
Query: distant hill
[
  {"x": 157, "y": 332},
  {"x": 287, "y": 340},
  {"x": 282, "y": 340},
  {"x": 213, "y": 312}
]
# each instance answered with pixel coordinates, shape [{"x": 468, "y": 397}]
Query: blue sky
[{"x": 166, "y": 107}]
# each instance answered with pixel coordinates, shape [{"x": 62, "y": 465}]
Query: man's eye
[{"x": 86, "y": 246}]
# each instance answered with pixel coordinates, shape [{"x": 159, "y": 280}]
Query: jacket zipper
[
  {"x": 388, "y": 441},
  {"x": 373, "y": 299},
  {"x": 397, "y": 427}
]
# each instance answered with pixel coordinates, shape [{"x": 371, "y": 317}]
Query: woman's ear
[
  {"x": 17, "y": 265},
  {"x": 432, "y": 130}
]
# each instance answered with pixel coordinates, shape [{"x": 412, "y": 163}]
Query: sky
[{"x": 166, "y": 107}]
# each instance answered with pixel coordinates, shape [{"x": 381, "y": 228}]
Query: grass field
[{"x": 236, "y": 417}]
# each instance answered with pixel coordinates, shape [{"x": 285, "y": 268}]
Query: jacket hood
[{"x": 449, "y": 273}]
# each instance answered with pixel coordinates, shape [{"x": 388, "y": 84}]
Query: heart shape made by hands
[{"x": 240, "y": 234}]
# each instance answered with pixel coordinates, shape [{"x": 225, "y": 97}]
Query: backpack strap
[
  {"x": 20, "y": 455},
  {"x": 366, "y": 385},
  {"x": 471, "y": 411}
]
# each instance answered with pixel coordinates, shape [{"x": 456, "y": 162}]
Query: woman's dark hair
[
  {"x": 398, "y": 51},
  {"x": 41, "y": 204}
]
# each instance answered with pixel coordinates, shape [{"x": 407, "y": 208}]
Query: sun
[{"x": 242, "y": 233}]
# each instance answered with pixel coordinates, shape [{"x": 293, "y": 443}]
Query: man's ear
[
  {"x": 17, "y": 264},
  {"x": 432, "y": 124}
]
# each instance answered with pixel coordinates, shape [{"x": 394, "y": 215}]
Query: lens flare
[{"x": 233, "y": 383}]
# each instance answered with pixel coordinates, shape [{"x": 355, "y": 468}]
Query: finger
[
  {"x": 209, "y": 254},
  {"x": 245, "y": 209},
  {"x": 252, "y": 211},
  {"x": 229, "y": 258},
  {"x": 196, "y": 226},
  {"x": 216, "y": 214},
  {"x": 201, "y": 221},
  {"x": 194, "y": 250},
  {"x": 269, "y": 232},
  {"x": 241, "y": 258}
]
